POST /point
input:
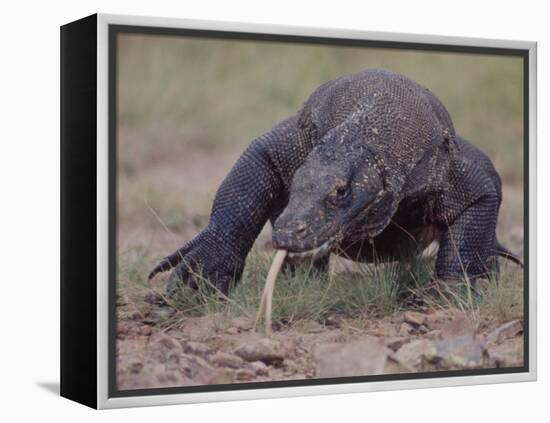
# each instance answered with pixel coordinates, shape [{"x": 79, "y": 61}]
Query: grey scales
[{"x": 369, "y": 168}]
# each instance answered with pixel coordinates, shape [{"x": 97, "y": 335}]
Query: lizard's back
[{"x": 386, "y": 99}]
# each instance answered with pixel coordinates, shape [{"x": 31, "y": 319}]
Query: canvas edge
[
  {"x": 78, "y": 308},
  {"x": 533, "y": 167},
  {"x": 102, "y": 213},
  {"x": 103, "y": 400}
]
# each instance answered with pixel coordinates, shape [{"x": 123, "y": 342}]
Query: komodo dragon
[{"x": 368, "y": 168}]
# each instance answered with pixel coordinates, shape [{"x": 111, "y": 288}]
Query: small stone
[
  {"x": 414, "y": 318},
  {"x": 309, "y": 326},
  {"x": 314, "y": 328},
  {"x": 260, "y": 368},
  {"x": 195, "y": 368},
  {"x": 380, "y": 333},
  {"x": 246, "y": 374},
  {"x": 397, "y": 342},
  {"x": 405, "y": 329},
  {"x": 136, "y": 316},
  {"x": 159, "y": 315},
  {"x": 232, "y": 331},
  {"x": 394, "y": 366},
  {"x": 135, "y": 364},
  {"x": 267, "y": 350},
  {"x": 459, "y": 325},
  {"x": 131, "y": 329},
  {"x": 507, "y": 354},
  {"x": 290, "y": 365},
  {"x": 334, "y": 320},
  {"x": 242, "y": 323},
  {"x": 199, "y": 362},
  {"x": 434, "y": 334},
  {"x": 222, "y": 359},
  {"x": 167, "y": 378},
  {"x": 436, "y": 318},
  {"x": 416, "y": 352},
  {"x": 197, "y": 348},
  {"x": 365, "y": 357},
  {"x": 123, "y": 328},
  {"x": 199, "y": 328},
  {"x": 460, "y": 352},
  {"x": 506, "y": 331},
  {"x": 164, "y": 349},
  {"x": 145, "y": 330},
  {"x": 422, "y": 329},
  {"x": 165, "y": 342},
  {"x": 154, "y": 298},
  {"x": 222, "y": 377}
]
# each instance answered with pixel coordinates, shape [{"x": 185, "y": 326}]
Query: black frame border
[
  {"x": 78, "y": 211},
  {"x": 116, "y": 29}
]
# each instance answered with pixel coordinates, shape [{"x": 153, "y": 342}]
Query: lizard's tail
[{"x": 504, "y": 252}]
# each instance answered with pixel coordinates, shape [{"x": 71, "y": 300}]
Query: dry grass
[{"x": 373, "y": 290}]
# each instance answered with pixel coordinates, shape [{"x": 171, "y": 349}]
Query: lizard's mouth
[{"x": 319, "y": 251}]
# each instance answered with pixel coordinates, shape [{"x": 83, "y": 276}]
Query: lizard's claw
[
  {"x": 170, "y": 261},
  {"x": 202, "y": 262}
]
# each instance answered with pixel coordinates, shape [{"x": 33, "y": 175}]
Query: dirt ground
[{"x": 199, "y": 351}]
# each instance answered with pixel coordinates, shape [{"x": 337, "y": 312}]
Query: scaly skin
[{"x": 369, "y": 167}]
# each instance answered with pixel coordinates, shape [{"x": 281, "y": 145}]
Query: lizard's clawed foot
[{"x": 201, "y": 263}]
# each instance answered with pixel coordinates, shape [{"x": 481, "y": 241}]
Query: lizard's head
[{"x": 331, "y": 198}]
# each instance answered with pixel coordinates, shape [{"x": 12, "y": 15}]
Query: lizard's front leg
[{"x": 243, "y": 203}]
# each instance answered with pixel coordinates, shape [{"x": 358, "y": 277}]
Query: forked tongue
[{"x": 266, "y": 302}]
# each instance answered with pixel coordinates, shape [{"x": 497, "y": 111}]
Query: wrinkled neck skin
[{"x": 339, "y": 193}]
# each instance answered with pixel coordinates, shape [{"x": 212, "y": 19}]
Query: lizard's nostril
[{"x": 301, "y": 228}]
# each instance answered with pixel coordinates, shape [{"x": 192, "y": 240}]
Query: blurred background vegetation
[{"x": 187, "y": 107}]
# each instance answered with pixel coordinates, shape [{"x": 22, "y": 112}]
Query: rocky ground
[{"x": 211, "y": 350}]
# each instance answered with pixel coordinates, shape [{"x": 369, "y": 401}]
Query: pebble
[
  {"x": 414, "y": 318},
  {"x": 266, "y": 350},
  {"x": 222, "y": 359},
  {"x": 197, "y": 348},
  {"x": 434, "y": 334},
  {"x": 506, "y": 331},
  {"x": 422, "y": 329},
  {"x": 260, "y": 368},
  {"x": 135, "y": 364},
  {"x": 334, "y": 320},
  {"x": 130, "y": 328},
  {"x": 145, "y": 330},
  {"x": 367, "y": 356},
  {"x": 508, "y": 353},
  {"x": 165, "y": 341},
  {"x": 242, "y": 323},
  {"x": 246, "y": 374},
  {"x": 415, "y": 352},
  {"x": 461, "y": 352},
  {"x": 397, "y": 342},
  {"x": 405, "y": 329}
]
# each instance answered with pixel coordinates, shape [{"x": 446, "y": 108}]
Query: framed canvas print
[{"x": 254, "y": 211}]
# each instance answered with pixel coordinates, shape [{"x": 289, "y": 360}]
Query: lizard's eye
[
  {"x": 340, "y": 195},
  {"x": 341, "y": 192}
]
